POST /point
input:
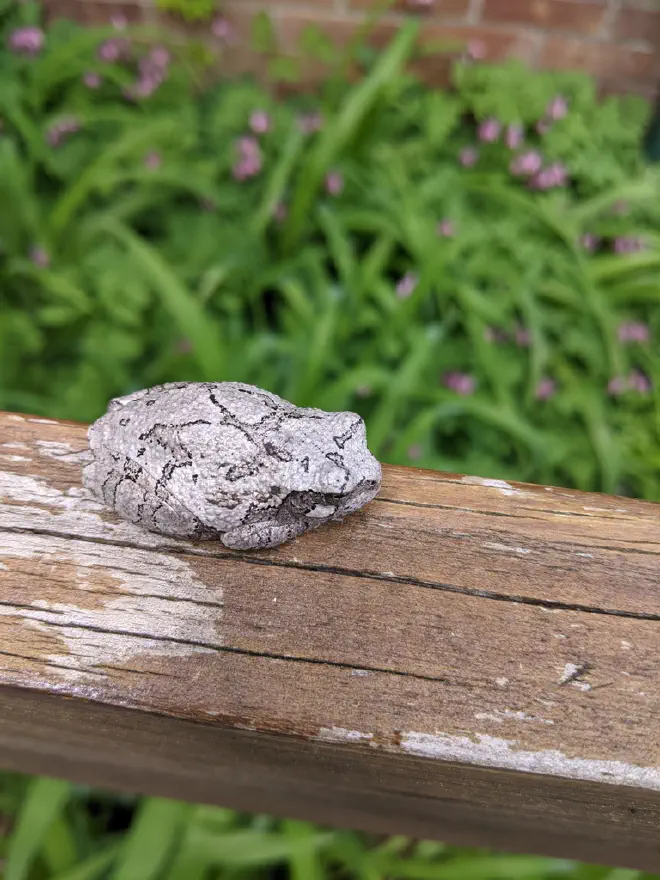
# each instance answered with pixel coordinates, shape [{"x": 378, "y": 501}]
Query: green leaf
[
  {"x": 263, "y": 37},
  {"x": 203, "y": 333},
  {"x": 44, "y": 802},
  {"x": 304, "y": 863},
  {"x": 336, "y": 137},
  {"x": 153, "y": 835},
  {"x": 251, "y": 848},
  {"x": 133, "y": 143},
  {"x": 94, "y": 867}
]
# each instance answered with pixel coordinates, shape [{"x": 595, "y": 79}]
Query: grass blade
[
  {"x": 151, "y": 839},
  {"x": 44, "y": 801},
  {"x": 92, "y": 868},
  {"x": 195, "y": 324},
  {"x": 360, "y": 101}
]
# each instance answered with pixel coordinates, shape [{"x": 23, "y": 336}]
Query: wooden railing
[{"x": 466, "y": 659}]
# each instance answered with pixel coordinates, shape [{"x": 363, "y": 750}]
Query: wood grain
[{"x": 466, "y": 659}]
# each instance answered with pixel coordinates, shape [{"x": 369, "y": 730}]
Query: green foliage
[
  {"x": 125, "y": 838},
  {"x": 41, "y": 807},
  {"x": 189, "y": 10},
  {"x": 154, "y": 262}
]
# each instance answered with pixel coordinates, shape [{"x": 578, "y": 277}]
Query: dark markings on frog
[
  {"x": 241, "y": 471},
  {"x": 168, "y": 471},
  {"x": 230, "y": 418},
  {"x": 335, "y": 458},
  {"x": 229, "y": 502},
  {"x": 280, "y": 454},
  {"x": 338, "y": 459},
  {"x": 342, "y": 439}
]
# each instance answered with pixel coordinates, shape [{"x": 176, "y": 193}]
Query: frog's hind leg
[
  {"x": 126, "y": 487},
  {"x": 257, "y": 536}
]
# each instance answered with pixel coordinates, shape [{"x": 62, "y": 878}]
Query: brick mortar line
[
  {"x": 474, "y": 15},
  {"x": 334, "y": 16},
  {"x": 505, "y": 28},
  {"x": 611, "y": 14},
  {"x": 475, "y": 12},
  {"x": 502, "y": 28}
]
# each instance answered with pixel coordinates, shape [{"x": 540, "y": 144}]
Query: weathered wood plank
[{"x": 467, "y": 659}]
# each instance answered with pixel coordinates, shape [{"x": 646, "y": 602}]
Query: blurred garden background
[{"x": 474, "y": 269}]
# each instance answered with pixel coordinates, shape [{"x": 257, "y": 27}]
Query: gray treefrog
[{"x": 225, "y": 460}]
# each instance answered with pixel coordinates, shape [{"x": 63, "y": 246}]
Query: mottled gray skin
[{"x": 230, "y": 461}]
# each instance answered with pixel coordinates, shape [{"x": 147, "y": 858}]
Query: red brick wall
[{"x": 618, "y": 41}]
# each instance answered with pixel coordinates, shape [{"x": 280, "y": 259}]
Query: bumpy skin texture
[{"x": 230, "y": 461}]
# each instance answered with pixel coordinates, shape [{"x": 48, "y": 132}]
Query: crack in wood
[
  {"x": 245, "y": 652},
  {"x": 358, "y": 573}
]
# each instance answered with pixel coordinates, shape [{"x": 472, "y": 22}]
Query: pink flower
[
  {"x": 489, "y": 130},
  {"x": 406, "y": 285},
  {"x": 334, "y": 183},
  {"x": 249, "y": 159},
  {"x": 628, "y": 245},
  {"x": 461, "y": 383},
  {"x": 514, "y": 136},
  {"x": 526, "y": 164},
  {"x": 153, "y": 72},
  {"x": 92, "y": 79},
  {"x": 59, "y": 131},
  {"x": 118, "y": 21},
  {"x": 639, "y": 382},
  {"x": 414, "y": 452},
  {"x": 620, "y": 208},
  {"x": 260, "y": 122},
  {"x": 363, "y": 390},
  {"x": 557, "y": 108},
  {"x": 589, "y": 241},
  {"x": 634, "y": 331},
  {"x": 115, "y": 49},
  {"x": 280, "y": 212},
  {"x": 476, "y": 50},
  {"x": 246, "y": 168},
  {"x": 249, "y": 147},
  {"x": 309, "y": 123},
  {"x": 635, "y": 381},
  {"x": 160, "y": 57},
  {"x": 616, "y": 386},
  {"x": 543, "y": 127},
  {"x": 153, "y": 160},
  {"x": 523, "y": 337},
  {"x": 445, "y": 228},
  {"x": 27, "y": 40},
  {"x": 553, "y": 175},
  {"x": 223, "y": 30},
  {"x": 39, "y": 257},
  {"x": 468, "y": 157},
  {"x": 184, "y": 346},
  {"x": 546, "y": 388},
  {"x": 143, "y": 88}
]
